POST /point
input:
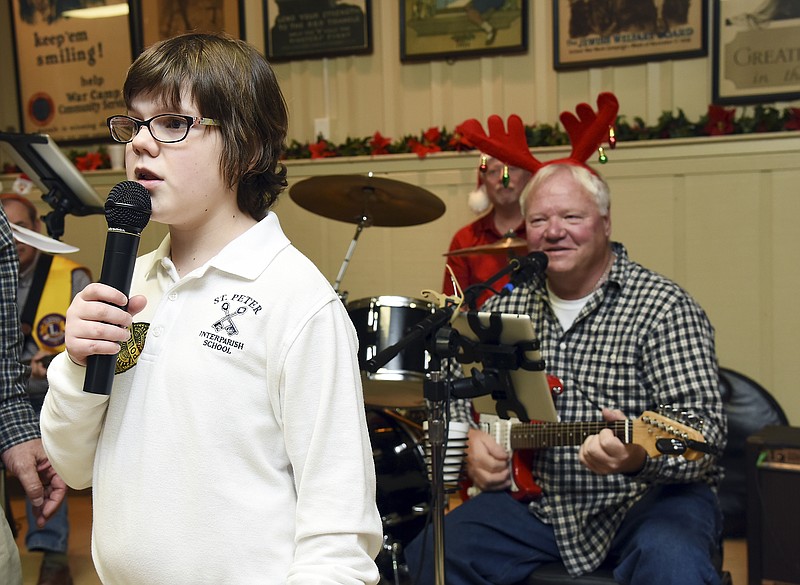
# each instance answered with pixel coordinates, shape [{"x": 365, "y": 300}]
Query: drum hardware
[
  {"x": 366, "y": 200},
  {"x": 393, "y": 548}
]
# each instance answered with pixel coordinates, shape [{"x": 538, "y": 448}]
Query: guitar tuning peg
[
  {"x": 666, "y": 409},
  {"x": 692, "y": 419}
]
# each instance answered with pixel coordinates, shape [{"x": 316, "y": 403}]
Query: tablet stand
[{"x": 62, "y": 185}]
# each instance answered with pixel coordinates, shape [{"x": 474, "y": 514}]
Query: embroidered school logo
[
  {"x": 50, "y": 330},
  {"x": 130, "y": 350},
  {"x": 234, "y": 309},
  {"x": 226, "y": 323}
]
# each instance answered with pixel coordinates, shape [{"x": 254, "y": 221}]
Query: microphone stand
[{"x": 443, "y": 341}]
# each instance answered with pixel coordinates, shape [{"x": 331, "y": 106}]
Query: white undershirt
[{"x": 566, "y": 310}]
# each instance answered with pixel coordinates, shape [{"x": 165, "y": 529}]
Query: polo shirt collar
[{"x": 247, "y": 256}]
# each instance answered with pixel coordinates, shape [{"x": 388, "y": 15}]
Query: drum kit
[
  {"x": 394, "y": 393},
  {"x": 367, "y": 200}
]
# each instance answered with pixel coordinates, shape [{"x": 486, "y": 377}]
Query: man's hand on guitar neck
[
  {"x": 605, "y": 454},
  {"x": 487, "y": 462}
]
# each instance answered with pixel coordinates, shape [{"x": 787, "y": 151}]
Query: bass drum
[
  {"x": 381, "y": 322},
  {"x": 403, "y": 489}
]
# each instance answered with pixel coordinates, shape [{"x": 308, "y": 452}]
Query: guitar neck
[{"x": 542, "y": 435}]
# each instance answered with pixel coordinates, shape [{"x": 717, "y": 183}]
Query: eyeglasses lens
[{"x": 164, "y": 128}]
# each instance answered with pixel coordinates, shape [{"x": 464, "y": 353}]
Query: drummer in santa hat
[{"x": 500, "y": 224}]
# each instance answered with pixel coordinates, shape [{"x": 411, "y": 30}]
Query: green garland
[{"x": 718, "y": 121}]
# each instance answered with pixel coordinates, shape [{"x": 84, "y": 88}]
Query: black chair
[{"x": 749, "y": 408}]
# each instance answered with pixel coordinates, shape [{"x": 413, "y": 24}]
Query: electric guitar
[{"x": 656, "y": 432}]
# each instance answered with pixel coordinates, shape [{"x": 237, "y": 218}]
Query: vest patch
[{"x": 50, "y": 330}]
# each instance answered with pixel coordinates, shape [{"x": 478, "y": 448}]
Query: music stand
[{"x": 61, "y": 184}]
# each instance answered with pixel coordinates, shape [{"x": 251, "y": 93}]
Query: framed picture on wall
[
  {"x": 162, "y": 19},
  {"x": 70, "y": 67},
  {"x": 313, "y": 29},
  {"x": 459, "y": 29},
  {"x": 755, "y": 51},
  {"x": 598, "y": 34}
]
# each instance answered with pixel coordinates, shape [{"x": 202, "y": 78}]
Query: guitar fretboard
[{"x": 541, "y": 435}]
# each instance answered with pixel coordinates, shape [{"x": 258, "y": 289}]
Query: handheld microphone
[{"x": 127, "y": 212}]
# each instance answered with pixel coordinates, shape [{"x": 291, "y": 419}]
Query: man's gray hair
[{"x": 593, "y": 184}]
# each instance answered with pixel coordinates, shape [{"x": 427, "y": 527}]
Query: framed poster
[
  {"x": 755, "y": 51},
  {"x": 312, "y": 29},
  {"x": 458, "y": 29},
  {"x": 70, "y": 70},
  {"x": 162, "y": 19},
  {"x": 598, "y": 34}
]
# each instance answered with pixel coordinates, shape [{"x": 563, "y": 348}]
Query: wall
[{"x": 416, "y": 96}]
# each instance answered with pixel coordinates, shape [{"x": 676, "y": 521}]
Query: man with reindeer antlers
[{"x": 623, "y": 340}]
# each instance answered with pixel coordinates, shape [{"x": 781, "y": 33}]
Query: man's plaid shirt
[
  {"x": 18, "y": 422},
  {"x": 640, "y": 342}
]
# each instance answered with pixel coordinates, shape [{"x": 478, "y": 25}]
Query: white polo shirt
[{"x": 235, "y": 449}]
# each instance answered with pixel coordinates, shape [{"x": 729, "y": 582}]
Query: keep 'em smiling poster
[{"x": 70, "y": 70}]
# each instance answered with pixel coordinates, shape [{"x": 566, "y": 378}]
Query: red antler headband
[{"x": 587, "y": 131}]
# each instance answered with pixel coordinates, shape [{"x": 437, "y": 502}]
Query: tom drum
[{"x": 381, "y": 322}]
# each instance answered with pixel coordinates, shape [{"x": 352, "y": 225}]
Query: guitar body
[
  {"x": 522, "y": 475},
  {"x": 523, "y": 484}
]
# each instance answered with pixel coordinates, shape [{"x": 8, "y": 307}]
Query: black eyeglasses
[{"x": 165, "y": 128}]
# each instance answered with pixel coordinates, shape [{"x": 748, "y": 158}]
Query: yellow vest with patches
[{"x": 48, "y": 325}]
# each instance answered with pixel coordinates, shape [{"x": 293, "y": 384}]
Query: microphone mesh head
[
  {"x": 128, "y": 207},
  {"x": 540, "y": 259}
]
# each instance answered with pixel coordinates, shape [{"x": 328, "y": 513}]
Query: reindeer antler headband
[{"x": 587, "y": 131}]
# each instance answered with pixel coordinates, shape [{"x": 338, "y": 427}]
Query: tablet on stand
[
  {"x": 62, "y": 185},
  {"x": 530, "y": 391}
]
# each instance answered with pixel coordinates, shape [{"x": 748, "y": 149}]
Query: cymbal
[
  {"x": 502, "y": 246},
  {"x": 372, "y": 200}
]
